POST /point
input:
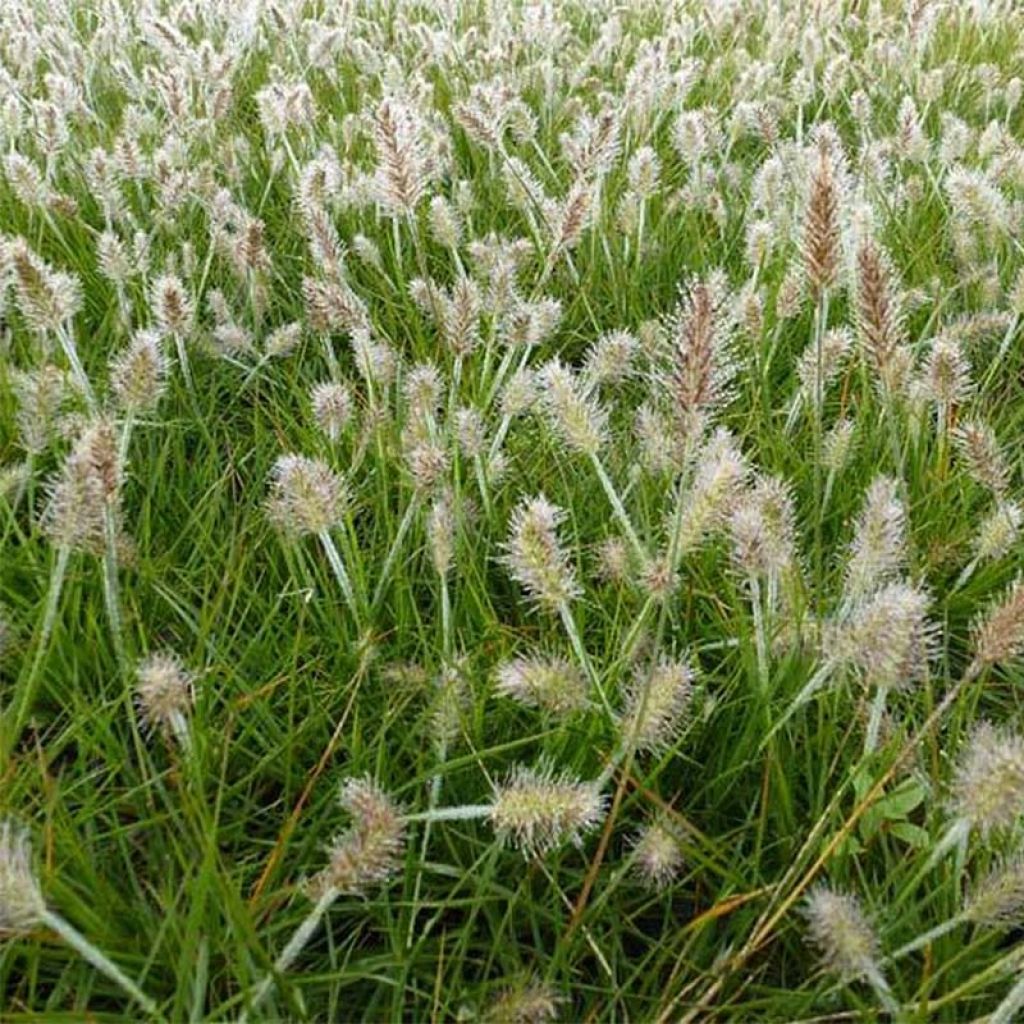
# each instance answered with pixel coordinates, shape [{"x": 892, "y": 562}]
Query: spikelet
[
  {"x": 41, "y": 394},
  {"x": 821, "y": 226},
  {"x": 835, "y": 347},
  {"x": 887, "y": 639},
  {"x": 460, "y": 317},
  {"x": 880, "y": 319},
  {"x": 762, "y": 528},
  {"x": 577, "y": 419},
  {"x": 441, "y": 533},
  {"x": 527, "y": 1002},
  {"x": 333, "y": 306},
  {"x": 403, "y": 166},
  {"x": 306, "y": 496},
  {"x": 21, "y": 900},
  {"x": 551, "y": 683},
  {"x": 172, "y": 305},
  {"x": 845, "y": 940},
  {"x": 369, "y": 852},
  {"x": 998, "y": 898},
  {"x": 879, "y": 541},
  {"x": 85, "y": 490},
  {"x": 610, "y": 359},
  {"x": 998, "y": 532},
  {"x": 837, "y": 446},
  {"x": 332, "y": 407},
  {"x": 539, "y": 809},
  {"x": 138, "y": 374},
  {"x": 947, "y": 376},
  {"x": 534, "y": 557},
  {"x": 657, "y": 703},
  {"x": 164, "y": 692},
  {"x": 701, "y": 367},
  {"x": 47, "y": 298},
  {"x": 987, "y": 791},
  {"x": 999, "y": 634},
  {"x": 983, "y": 456},
  {"x": 657, "y": 856},
  {"x": 719, "y": 478}
]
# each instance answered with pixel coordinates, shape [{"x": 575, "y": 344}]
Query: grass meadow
[{"x": 510, "y": 511}]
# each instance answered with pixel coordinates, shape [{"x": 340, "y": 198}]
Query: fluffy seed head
[
  {"x": 888, "y": 638},
  {"x": 835, "y": 347},
  {"x": 983, "y": 456},
  {"x": 164, "y": 692},
  {"x": 172, "y": 305},
  {"x": 880, "y": 319},
  {"x": 838, "y": 445},
  {"x": 47, "y": 298},
  {"x": 531, "y": 1002},
  {"x": 947, "y": 374},
  {"x": 821, "y": 226},
  {"x": 700, "y": 364},
  {"x": 762, "y": 528},
  {"x": 554, "y": 684},
  {"x": 84, "y": 491},
  {"x": 998, "y": 898},
  {"x": 879, "y": 541},
  {"x": 138, "y": 374},
  {"x": 306, "y": 496},
  {"x": 844, "y": 938},
  {"x": 998, "y": 531},
  {"x": 534, "y": 557},
  {"x": 657, "y": 702},
  {"x": 369, "y": 851},
  {"x": 40, "y": 395},
  {"x": 999, "y": 635},
  {"x": 21, "y": 899},
  {"x": 578, "y": 420},
  {"x": 539, "y": 809},
  {"x": 332, "y": 407},
  {"x": 658, "y": 858},
  {"x": 988, "y": 785},
  {"x": 718, "y": 479}
]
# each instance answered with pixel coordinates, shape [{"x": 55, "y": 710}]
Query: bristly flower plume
[
  {"x": 539, "y": 809},
  {"x": 535, "y": 558},
  {"x": 21, "y": 899},
  {"x": 306, "y": 496},
  {"x": 369, "y": 851}
]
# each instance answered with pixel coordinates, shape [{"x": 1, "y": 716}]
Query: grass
[{"x": 186, "y": 868}]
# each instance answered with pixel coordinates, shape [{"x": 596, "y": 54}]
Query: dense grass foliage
[{"x": 510, "y": 511}]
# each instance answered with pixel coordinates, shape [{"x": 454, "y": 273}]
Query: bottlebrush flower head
[
  {"x": 552, "y": 683},
  {"x": 762, "y": 528},
  {"x": 138, "y": 375},
  {"x": 21, "y": 900},
  {"x": 172, "y": 305},
  {"x": 539, "y": 809},
  {"x": 369, "y": 851},
  {"x": 988, "y": 784},
  {"x": 534, "y": 557},
  {"x": 879, "y": 542},
  {"x": 48, "y": 299},
  {"x": 838, "y": 928},
  {"x": 822, "y": 231},
  {"x": 657, "y": 702},
  {"x": 332, "y": 407},
  {"x": 887, "y": 639},
  {"x": 998, "y": 898},
  {"x": 577, "y": 419},
  {"x": 85, "y": 490},
  {"x": 699, "y": 366},
  {"x": 306, "y": 496},
  {"x": 983, "y": 456},
  {"x": 528, "y": 1002},
  {"x": 999, "y": 634},
  {"x": 657, "y": 855},
  {"x": 164, "y": 692}
]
